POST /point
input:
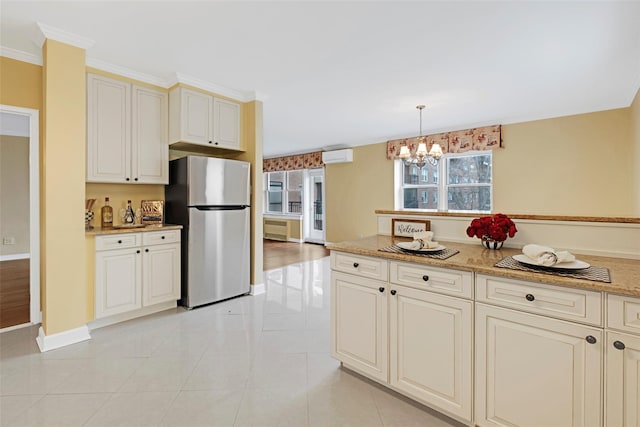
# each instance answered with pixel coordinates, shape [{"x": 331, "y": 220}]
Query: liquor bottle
[
  {"x": 129, "y": 215},
  {"x": 107, "y": 214}
]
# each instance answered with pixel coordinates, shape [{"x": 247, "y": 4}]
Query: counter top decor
[
  {"x": 492, "y": 230},
  {"x": 624, "y": 272}
]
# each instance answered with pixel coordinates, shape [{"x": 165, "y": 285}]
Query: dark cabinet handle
[
  {"x": 162, "y": 237},
  {"x": 393, "y": 292},
  {"x": 119, "y": 241},
  {"x": 135, "y": 179},
  {"x": 425, "y": 278},
  {"x": 127, "y": 179},
  {"x": 355, "y": 265},
  {"x": 210, "y": 142},
  {"x": 530, "y": 297},
  {"x": 216, "y": 143},
  {"x": 591, "y": 339},
  {"x": 146, "y": 250},
  {"x": 381, "y": 289},
  {"x": 619, "y": 345},
  {"x": 138, "y": 251}
]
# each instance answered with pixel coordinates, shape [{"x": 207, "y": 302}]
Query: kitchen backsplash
[{"x": 119, "y": 194}]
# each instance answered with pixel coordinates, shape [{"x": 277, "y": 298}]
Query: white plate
[
  {"x": 573, "y": 265},
  {"x": 406, "y": 246}
]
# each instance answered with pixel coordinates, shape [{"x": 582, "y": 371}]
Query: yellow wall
[
  {"x": 576, "y": 165},
  {"x": 63, "y": 190},
  {"x": 635, "y": 141},
  {"x": 119, "y": 194},
  {"x": 355, "y": 190},
  {"x": 20, "y": 84}
]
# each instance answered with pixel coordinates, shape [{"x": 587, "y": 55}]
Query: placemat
[
  {"x": 598, "y": 274},
  {"x": 443, "y": 254}
]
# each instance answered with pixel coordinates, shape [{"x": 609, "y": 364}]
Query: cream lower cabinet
[
  {"x": 431, "y": 348},
  {"x": 359, "y": 324},
  {"x": 622, "y": 374},
  {"x": 136, "y": 271},
  {"x": 536, "y": 371}
]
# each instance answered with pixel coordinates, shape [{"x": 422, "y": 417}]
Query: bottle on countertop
[
  {"x": 129, "y": 214},
  {"x": 107, "y": 214}
]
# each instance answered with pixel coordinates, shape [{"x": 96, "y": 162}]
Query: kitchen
[{"x": 347, "y": 217}]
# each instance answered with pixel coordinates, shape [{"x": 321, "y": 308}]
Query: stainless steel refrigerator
[{"x": 210, "y": 198}]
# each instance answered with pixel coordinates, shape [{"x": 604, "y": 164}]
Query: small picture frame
[
  {"x": 401, "y": 227},
  {"x": 152, "y": 212}
]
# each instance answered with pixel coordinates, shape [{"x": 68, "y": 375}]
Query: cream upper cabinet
[
  {"x": 536, "y": 371},
  {"x": 201, "y": 119},
  {"x": 126, "y": 132},
  {"x": 359, "y": 324},
  {"x": 431, "y": 348}
]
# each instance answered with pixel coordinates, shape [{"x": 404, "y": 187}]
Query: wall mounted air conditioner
[{"x": 337, "y": 156}]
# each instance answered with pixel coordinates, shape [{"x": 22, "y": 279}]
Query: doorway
[
  {"x": 20, "y": 240},
  {"x": 314, "y": 219}
]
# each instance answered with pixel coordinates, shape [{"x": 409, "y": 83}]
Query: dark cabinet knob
[
  {"x": 619, "y": 345},
  {"x": 355, "y": 265},
  {"x": 393, "y": 292},
  {"x": 210, "y": 142},
  {"x": 216, "y": 143},
  {"x": 138, "y": 251},
  {"x": 381, "y": 289},
  {"x": 162, "y": 237},
  {"x": 591, "y": 339},
  {"x": 530, "y": 297},
  {"x": 127, "y": 179},
  {"x": 135, "y": 179},
  {"x": 146, "y": 250},
  {"x": 425, "y": 278},
  {"x": 119, "y": 241}
]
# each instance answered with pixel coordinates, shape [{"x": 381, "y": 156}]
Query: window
[
  {"x": 459, "y": 183},
  {"x": 284, "y": 191}
]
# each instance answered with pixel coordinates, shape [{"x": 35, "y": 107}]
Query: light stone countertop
[
  {"x": 96, "y": 231},
  {"x": 625, "y": 273}
]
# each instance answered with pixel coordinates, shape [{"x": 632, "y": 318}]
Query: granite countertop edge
[
  {"x": 624, "y": 273},
  {"x": 98, "y": 231}
]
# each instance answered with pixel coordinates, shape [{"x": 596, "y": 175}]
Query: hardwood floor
[
  {"x": 278, "y": 254},
  {"x": 14, "y": 292}
]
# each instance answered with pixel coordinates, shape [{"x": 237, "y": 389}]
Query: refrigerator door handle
[{"x": 220, "y": 208}]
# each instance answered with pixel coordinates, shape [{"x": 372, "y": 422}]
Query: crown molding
[
  {"x": 19, "y": 55},
  {"x": 48, "y": 32},
  {"x": 126, "y": 72},
  {"x": 212, "y": 87}
]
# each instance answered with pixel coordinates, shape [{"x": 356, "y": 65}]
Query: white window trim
[
  {"x": 398, "y": 199},
  {"x": 285, "y": 197}
]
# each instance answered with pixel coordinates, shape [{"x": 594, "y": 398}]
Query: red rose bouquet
[{"x": 496, "y": 227}]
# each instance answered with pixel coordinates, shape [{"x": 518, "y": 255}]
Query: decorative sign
[
  {"x": 152, "y": 211},
  {"x": 406, "y": 227}
]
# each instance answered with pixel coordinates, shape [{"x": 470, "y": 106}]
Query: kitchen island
[{"x": 488, "y": 345}]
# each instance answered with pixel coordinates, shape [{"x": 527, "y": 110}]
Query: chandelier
[{"x": 421, "y": 157}]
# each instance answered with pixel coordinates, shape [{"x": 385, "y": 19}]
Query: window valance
[
  {"x": 484, "y": 138},
  {"x": 288, "y": 163}
]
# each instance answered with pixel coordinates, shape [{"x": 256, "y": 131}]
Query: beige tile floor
[{"x": 251, "y": 361}]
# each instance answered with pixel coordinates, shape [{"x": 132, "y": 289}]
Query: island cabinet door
[
  {"x": 431, "y": 348},
  {"x": 623, "y": 380},
  {"x": 536, "y": 371},
  {"x": 359, "y": 324}
]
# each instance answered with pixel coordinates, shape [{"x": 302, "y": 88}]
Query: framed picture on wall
[{"x": 406, "y": 227}]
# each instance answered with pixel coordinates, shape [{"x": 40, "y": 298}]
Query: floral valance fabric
[
  {"x": 484, "y": 138},
  {"x": 288, "y": 163}
]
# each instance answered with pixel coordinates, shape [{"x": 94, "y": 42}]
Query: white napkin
[
  {"x": 422, "y": 240},
  {"x": 544, "y": 255}
]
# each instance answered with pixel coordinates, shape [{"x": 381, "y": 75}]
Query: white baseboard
[
  {"x": 61, "y": 339},
  {"x": 14, "y": 257},
  {"x": 13, "y": 328},
  {"x": 257, "y": 289},
  {"x": 123, "y": 317}
]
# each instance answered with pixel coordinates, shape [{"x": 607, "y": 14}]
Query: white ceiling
[{"x": 351, "y": 73}]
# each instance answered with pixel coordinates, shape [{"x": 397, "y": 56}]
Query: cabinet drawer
[
  {"x": 373, "y": 268},
  {"x": 577, "y": 305},
  {"x": 118, "y": 241},
  {"x": 445, "y": 281},
  {"x": 623, "y": 313},
  {"x": 160, "y": 237}
]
